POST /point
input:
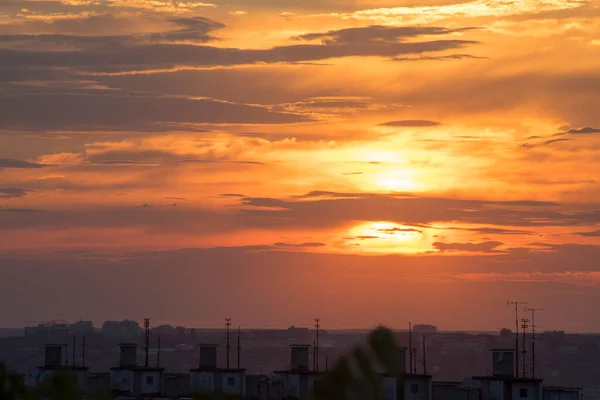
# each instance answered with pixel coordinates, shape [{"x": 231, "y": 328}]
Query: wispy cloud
[
  {"x": 472, "y": 9},
  {"x": 162, "y": 6},
  {"x": 579, "y": 278},
  {"x": 411, "y": 123},
  {"x": 307, "y": 244}
]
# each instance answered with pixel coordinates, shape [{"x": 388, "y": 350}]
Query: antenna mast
[
  {"x": 317, "y": 325},
  {"x": 533, "y": 310},
  {"x": 239, "y": 348},
  {"x": 410, "y": 349},
  {"x": 516, "y": 304},
  {"x": 227, "y": 325},
  {"x": 424, "y": 357},
  {"x": 158, "y": 354},
  {"x": 524, "y": 327},
  {"x": 147, "y": 342}
]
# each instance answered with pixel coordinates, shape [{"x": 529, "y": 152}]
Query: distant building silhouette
[
  {"x": 123, "y": 329},
  {"x": 425, "y": 328}
]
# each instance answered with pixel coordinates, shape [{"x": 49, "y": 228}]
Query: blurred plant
[
  {"x": 11, "y": 385},
  {"x": 62, "y": 385},
  {"x": 355, "y": 376}
]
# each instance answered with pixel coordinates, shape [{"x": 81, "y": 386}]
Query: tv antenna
[
  {"x": 533, "y": 310},
  {"x": 239, "y": 347},
  {"x": 147, "y": 339},
  {"x": 410, "y": 350},
  {"x": 317, "y": 326},
  {"x": 424, "y": 337},
  {"x": 227, "y": 325},
  {"x": 516, "y": 304},
  {"x": 524, "y": 326}
]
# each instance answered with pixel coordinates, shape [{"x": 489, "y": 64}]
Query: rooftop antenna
[
  {"x": 227, "y": 325},
  {"x": 158, "y": 354},
  {"x": 516, "y": 304},
  {"x": 533, "y": 310},
  {"x": 147, "y": 338},
  {"x": 239, "y": 347},
  {"x": 314, "y": 349},
  {"x": 415, "y": 359},
  {"x": 317, "y": 325},
  {"x": 424, "y": 357},
  {"x": 524, "y": 327},
  {"x": 410, "y": 349}
]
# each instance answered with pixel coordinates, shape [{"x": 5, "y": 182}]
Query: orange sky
[{"x": 452, "y": 146}]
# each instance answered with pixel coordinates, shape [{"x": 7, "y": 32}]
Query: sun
[{"x": 398, "y": 180}]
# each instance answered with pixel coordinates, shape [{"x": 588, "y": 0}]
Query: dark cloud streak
[
  {"x": 12, "y": 163},
  {"x": 101, "y": 112},
  {"x": 12, "y": 193},
  {"x": 335, "y": 209},
  {"x": 484, "y": 247},
  {"x": 374, "y": 34}
]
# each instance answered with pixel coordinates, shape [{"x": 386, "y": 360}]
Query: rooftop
[
  {"x": 507, "y": 378},
  {"x": 562, "y": 389},
  {"x": 64, "y": 368},
  {"x": 410, "y": 376},
  {"x": 209, "y": 369},
  {"x": 137, "y": 368},
  {"x": 299, "y": 372}
]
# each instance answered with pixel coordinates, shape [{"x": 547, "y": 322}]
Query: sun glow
[
  {"x": 388, "y": 237},
  {"x": 397, "y": 180}
]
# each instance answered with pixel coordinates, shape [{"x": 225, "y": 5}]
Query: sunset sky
[{"x": 361, "y": 161}]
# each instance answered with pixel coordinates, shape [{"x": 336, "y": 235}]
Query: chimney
[
  {"x": 299, "y": 361},
  {"x": 401, "y": 360},
  {"x": 54, "y": 355},
  {"x": 208, "y": 356},
  {"x": 128, "y": 356},
  {"x": 503, "y": 362}
]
